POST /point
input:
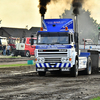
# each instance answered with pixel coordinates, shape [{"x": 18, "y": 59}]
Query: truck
[
  {"x": 12, "y": 41},
  {"x": 3, "y": 40},
  {"x": 25, "y": 49},
  {"x": 56, "y": 50}
]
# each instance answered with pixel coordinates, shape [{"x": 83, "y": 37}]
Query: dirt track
[{"x": 23, "y": 83}]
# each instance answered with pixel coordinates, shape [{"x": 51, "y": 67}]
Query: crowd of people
[{"x": 5, "y": 49}]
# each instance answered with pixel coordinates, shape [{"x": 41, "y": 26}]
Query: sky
[{"x": 20, "y": 13}]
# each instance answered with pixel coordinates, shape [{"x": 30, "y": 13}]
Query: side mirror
[{"x": 32, "y": 40}]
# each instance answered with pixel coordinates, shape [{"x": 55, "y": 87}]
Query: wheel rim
[{"x": 27, "y": 54}]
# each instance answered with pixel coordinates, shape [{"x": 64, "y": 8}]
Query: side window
[
  {"x": 23, "y": 40},
  {"x": 30, "y": 41},
  {"x": 34, "y": 41}
]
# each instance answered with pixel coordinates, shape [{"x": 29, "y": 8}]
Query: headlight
[
  {"x": 40, "y": 60},
  {"x": 36, "y": 53},
  {"x": 64, "y": 59},
  {"x": 40, "y": 50},
  {"x": 62, "y": 50}
]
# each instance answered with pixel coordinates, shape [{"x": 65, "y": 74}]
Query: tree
[{"x": 87, "y": 26}]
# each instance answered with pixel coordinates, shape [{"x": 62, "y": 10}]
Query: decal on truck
[{"x": 53, "y": 47}]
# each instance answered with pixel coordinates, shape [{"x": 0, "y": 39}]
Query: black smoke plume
[
  {"x": 76, "y": 5},
  {"x": 42, "y": 6}
]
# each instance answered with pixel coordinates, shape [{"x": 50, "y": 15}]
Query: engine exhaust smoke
[
  {"x": 42, "y": 6},
  {"x": 76, "y": 5}
]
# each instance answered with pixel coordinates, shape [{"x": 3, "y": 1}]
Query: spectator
[
  {"x": 8, "y": 49},
  {"x": 4, "y": 49},
  {"x": 0, "y": 49}
]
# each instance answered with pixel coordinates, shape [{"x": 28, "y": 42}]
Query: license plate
[
  {"x": 40, "y": 69},
  {"x": 65, "y": 69}
]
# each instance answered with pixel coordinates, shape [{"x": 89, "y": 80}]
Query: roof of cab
[{"x": 57, "y": 25}]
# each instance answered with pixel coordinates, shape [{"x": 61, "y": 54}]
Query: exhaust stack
[
  {"x": 42, "y": 18},
  {"x": 76, "y": 35},
  {"x": 76, "y": 5},
  {"x": 43, "y": 8}
]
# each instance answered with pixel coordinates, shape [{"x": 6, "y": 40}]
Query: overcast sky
[{"x": 19, "y": 13}]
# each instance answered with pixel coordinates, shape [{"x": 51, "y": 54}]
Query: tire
[
  {"x": 74, "y": 70},
  {"x": 88, "y": 69},
  {"x": 27, "y": 54},
  {"x": 41, "y": 73},
  {"x": 15, "y": 53},
  {"x": 22, "y": 56}
]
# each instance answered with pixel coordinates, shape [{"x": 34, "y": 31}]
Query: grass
[
  {"x": 15, "y": 65},
  {"x": 98, "y": 98},
  {"x": 10, "y": 57}
]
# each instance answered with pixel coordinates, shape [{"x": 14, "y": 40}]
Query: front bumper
[{"x": 53, "y": 66}]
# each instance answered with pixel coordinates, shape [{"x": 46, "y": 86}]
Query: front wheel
[
  {"x": 15, "y": 53},
  {"x": 74, "y": 70},
  {"x": 27, "y": 54}
]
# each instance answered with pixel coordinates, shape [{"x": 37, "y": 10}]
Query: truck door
[
  {"x": 21, "y": 46},
  {"x": 32, "y": 47}
]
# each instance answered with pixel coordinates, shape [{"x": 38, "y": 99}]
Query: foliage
[
  {"x": 9, "y": 56},
  {"x": 98, "y": 98}
]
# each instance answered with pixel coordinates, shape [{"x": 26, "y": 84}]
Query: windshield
[
  {"x": 54, "y": 38},
  {"x": 34, "y": 41},
  {"x": 12, "y": 41}
]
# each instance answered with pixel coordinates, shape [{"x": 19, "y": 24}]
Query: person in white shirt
[{"x": 8, "y": 49}]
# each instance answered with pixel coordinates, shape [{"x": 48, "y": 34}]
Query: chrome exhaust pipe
[
  {"x": 42, "y": 18},
  {"x": 76, "y": 35}
]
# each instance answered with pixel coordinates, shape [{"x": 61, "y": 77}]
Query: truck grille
[
  {"x": 52, "y": 54},
  {"x": 52, "y": 60}
]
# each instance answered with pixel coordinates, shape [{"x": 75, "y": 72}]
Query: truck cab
[
  {"x": 12, "y": 42},
  {"x": 3, "y": 40},
  {"x": 25, "y": 49},
  {"x": 55, "y": 49}
]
